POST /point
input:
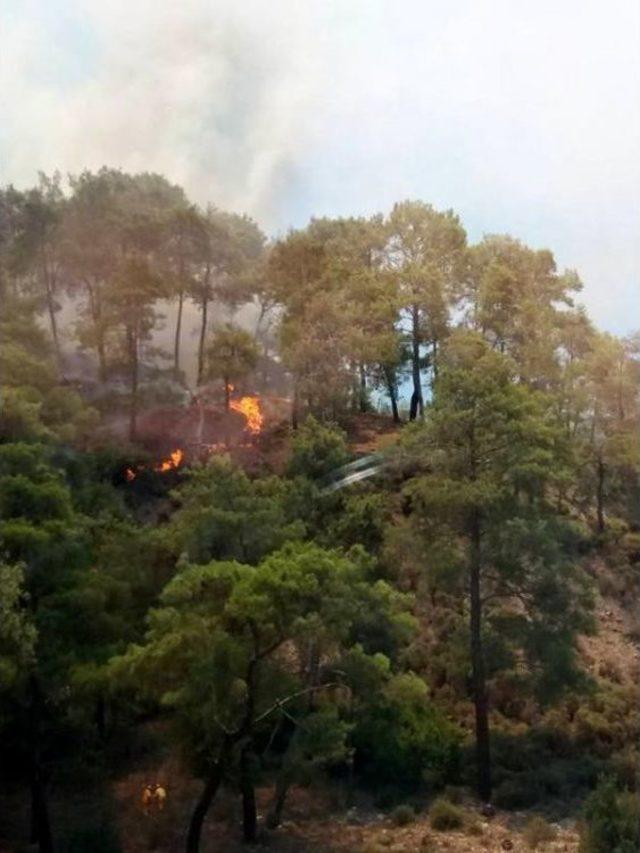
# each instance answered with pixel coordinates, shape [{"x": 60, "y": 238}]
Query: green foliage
[
  {"x": 17, "y": 632},
  {"x": 361, "y": 520},
  {"x": 220, "y": 624},
  {"x": 223, "y": 514},
  {"x": 401, "y": 739},
  {"x": 317, "y": 449},
  {"x": 231, "y": 354},
  {"x": 612, "y": 821},
  {"x": 444, "y": 815}
]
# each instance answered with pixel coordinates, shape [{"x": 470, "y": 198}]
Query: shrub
[
  {"x": 538, "y": 831},
  {"x": 444, "y": 815},
  {"x": 517, "y": 792},
  {"x": 402, "y": 815},
  {"x": 402, "y": 736},
  {"x": 612, "y": 821},
  {"x": 317, "y": 449}
]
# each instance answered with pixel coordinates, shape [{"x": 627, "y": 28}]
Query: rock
[{"x": 488, "y": 811}]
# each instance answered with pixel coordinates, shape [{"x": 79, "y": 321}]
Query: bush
[
  {"x": 538, "y": 831},
  {"x": 402, "y": 815},
  {"x": 612, "y": 821},
  {"x": 404, "y": 737},
  {"x": 317, "y": 449},
  {"x": 444, "y": 815},
  {"x": 517, "y": 792}
]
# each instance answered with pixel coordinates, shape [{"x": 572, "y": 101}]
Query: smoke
[
  {"x": 522, "y": 117},
  {"x": 214, "y": 95}
]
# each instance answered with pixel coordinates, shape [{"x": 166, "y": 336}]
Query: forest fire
[
  {"x": 250, "y": 408},
  {"x": 171, "y": 463}
]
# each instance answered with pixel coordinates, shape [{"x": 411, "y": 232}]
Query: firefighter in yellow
[
  {"x": 153, "y": 798},
  {"x": 159, "y": 797},
  {"x": 147, "y": 799}
]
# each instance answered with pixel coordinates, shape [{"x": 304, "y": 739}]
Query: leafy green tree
[
  {"x": 34, "y": 405},
  {"x": 319, "y": 740},
  {"x": 485, "y": 457},
  {"x": 608, "y": 437},
  {"x": 231, "y": 245},
  {"x": 39, "y": 531},
  {"x": 183, "y": 254},
  {"x": 36, "y": 250},
  {"x": 231, "y": 355},
  {"x": 131, "y": 299},
  {"x": 517, "y": 300},
  {"x": 225, "y": 653},
  {"x": 114, "y": 223},
  {"x": 425, "y": 253},
  {"x": 223, "y": 514}
]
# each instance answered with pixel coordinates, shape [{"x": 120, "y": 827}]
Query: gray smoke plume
[{"x": 214, "y": 95}]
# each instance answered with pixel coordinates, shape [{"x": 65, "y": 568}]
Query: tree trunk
[
  {"x": 101, "y": 717},
  {"x": 202, "y": 806},
  {"x": 600, "y": 494},
  {"x": 102, "y": 359},
  {"x": 54, "y": 328},
  {"x": 176, "y": 340},
  {"x": 132, "y": 342},
  {"x": 434, "y": 356},
  {"x": 417, "y": 403},
  {"x": 483, "y": 749},
  {"x": 249, "y": 810},
  {"x": 294, "y": 407},
  {"x": 227, "y": 395},
  {"x": 40, "y": 823},
  {"x": 95, "y": 308},
  {"x": 391, "y": 390},
  {"x": 203, "y": 332},
  {"x": 280, "y": 796},
  {"x": 362, "y": 396}
]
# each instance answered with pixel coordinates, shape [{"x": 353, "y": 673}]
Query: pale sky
[{"x": 521, "y": 115}]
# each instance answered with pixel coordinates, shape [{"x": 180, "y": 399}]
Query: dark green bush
[
  {"x": 612, "y": 821},
  {"x": 518, "y": 792},
  {"x": 405, "y": 743},
  {"x": 317, "y": 449}
]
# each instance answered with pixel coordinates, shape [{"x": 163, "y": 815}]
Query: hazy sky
[{"x": 521, "y": 115}]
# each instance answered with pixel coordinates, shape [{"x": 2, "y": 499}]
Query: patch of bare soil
[
  {"x": 370, "y": 432},
  {"x": 612, "y": 653},
  {"x": 312, "y": 825}
]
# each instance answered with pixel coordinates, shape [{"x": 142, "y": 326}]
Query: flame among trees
[{"x": 171, "y": 463}]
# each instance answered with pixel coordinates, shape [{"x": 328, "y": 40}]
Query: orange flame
[
  {"x": 174, "y": 461},
  {"x": 176, "y": 458},
  {"x": 250, "y": 408}
]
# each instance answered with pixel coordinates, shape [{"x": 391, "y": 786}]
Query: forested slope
[{"x": 443, "y": 655}]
